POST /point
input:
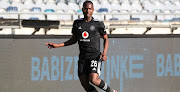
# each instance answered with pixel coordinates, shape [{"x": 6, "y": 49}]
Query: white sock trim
[{"x": 105, "y": 87}]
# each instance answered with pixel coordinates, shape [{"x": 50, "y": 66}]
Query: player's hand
[
  {"x": 51, "y": 45},
  {"x": 103, "y": 57}
]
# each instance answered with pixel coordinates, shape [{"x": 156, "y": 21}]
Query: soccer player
[{"x": 87, "y": 31}]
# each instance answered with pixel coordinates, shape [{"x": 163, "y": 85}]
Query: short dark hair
[{"x": 87, "y": 2}]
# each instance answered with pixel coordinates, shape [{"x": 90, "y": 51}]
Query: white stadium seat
[
  {"x": 136, "y": 5},
  {"x": 4, "y": 4},
  {"x": 51, "y": 4},
  {"x": 62, "y": 6},
  {"x": 125, "y": 15},
  {"x": 167, "y": 16},
  {"x": 148, "y": 5},
  {"x": 125, "y": 5},
  {"x": 169, "y": 5},
  {"x": 97, "y": 5},
  {"x": 177, "y": 4},
  {"x": 106, "y": 4},
  {"x": 158, "y": 5},
  {"x": 28, "y": 4},
  {"x": 19, "y": 5},
  {"x": 73, "y": 6},
  {"x": 40, "y": 3},
  {"x": 116, "y": 5}
]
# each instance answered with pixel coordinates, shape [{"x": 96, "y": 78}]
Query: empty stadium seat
[
  {"x": 177, "y": 4},
  {"x": 62, "y": 6},
  {"x": 167, "y": 16},
  {"x": 69, "y": 16},
  {"x": 12, "y": 15},
  {"x": 28, "y": 4},
  {"x": 2, "y": 10},
  {"x": 158, "y": 5},
  {"x": 136, "y": 5},
  {"x": 49, "y": 10},
  {"x": 36, "y": 9},
  {"x": 177, "y": 12},
  {"x": 34, "y": 15},
  {"x": 169, "y": 5},
  {"x": 157, "y": 11},
  {"x": 63, "y": 1},
  {"x": 175, "y": 19},
  {"x": 33, "y": 18},
  {"x": 134, "y": 11},
  {"x": 125, "y": 5},
  {"x": 125, "y": 15},
  {"x": 148, "y": 5},
  {"x": 12, "y": 9},
  {"x": 97, "y": 5},
  {"x": 115, "y": 5},
  {"x": 40, "y": 3},
  {"x": 4, "y": 4},
  {"x": 79, "y": 11},
  {"x": 103, "y": 10},
  {"x": 106, "y": 4},
  {"x": 52, "y": 17},
  {"x": 144, "y": 16},
  {"x": 25, "y": 11},
  {"x": 3, "y": 14},
  {"x": 98, "y": 16},
  {"x": 19, "y": 5},
  {"x": 38, "y": 16},
  {"x": 80, "y": 2},
  {"x": 25, "y": 14},
  {"x": 51, "y": 4},
  {"x": 114, "y": 15},
  {"x": 73, "y": 6}
]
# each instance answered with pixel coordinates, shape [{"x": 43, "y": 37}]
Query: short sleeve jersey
[{"x": 88, "y": 34}]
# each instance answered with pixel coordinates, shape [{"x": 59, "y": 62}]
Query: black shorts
[{"x": 87, "y": 66}]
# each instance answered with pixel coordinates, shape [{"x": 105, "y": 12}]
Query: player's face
[{"x": 88, "y": 10}]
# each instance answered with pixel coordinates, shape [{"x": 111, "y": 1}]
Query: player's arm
[
  {"x": 106, "y": 44},
  {"x": 71, "y": 41}
]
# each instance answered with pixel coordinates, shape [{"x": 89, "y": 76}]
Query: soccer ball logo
[{"x": 85, "y": 34}]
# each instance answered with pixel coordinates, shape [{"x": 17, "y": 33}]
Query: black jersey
[{"x": 88, "y": 34}]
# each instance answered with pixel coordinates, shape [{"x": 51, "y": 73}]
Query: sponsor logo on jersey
[{"x": 85, "y": 34}]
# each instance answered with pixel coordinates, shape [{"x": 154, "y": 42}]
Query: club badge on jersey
[{"x": 92, "y": 28}]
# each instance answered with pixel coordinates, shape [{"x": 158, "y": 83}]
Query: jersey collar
[{"x": 91, "y": 19}]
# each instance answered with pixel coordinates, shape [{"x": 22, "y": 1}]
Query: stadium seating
[
  {"x": 107, "y": 10},
  {"x": 4, "y": 4}
]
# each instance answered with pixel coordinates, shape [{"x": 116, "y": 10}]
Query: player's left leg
[
  {"x": 85, "y": 83},
  {"x": 93, "y": 77}
]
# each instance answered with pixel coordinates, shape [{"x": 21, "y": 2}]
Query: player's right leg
[
  {"x": 85, "y": 83},
  {"x": 83, "y": 76}
]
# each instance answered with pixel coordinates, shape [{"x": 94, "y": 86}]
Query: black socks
[
  {"x": 92, "y": 89},
  {"x": 104, "y": 86}
]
